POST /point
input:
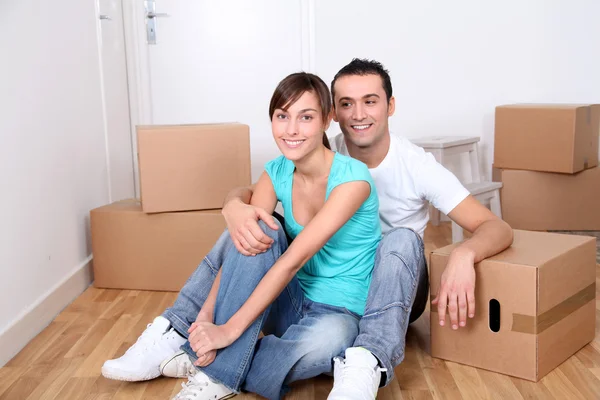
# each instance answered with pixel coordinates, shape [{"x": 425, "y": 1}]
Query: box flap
[
  {"x": 531, "y": 248},
  {"x": 548, "y": 106}
]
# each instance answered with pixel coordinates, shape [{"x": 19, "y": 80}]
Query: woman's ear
[{"x": 328, "y": 120}]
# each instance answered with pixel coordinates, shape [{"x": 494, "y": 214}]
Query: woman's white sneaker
[
  {"x": 178, "y": 366},
  {"x": 142, "y": 361},
  {"x": 201, "y": 387}
]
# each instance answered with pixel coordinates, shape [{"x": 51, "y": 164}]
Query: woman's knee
[{"x": 275, "y": 234}]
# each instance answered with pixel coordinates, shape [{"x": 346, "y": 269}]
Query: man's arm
[
  {"x": 341, "y": 205},
  {"x": 242, "y": 222},
  {"x": 490, "y": 236},
  {"x": 242, "y": 194}
]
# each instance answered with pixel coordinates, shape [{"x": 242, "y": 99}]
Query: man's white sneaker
[
  {"x": 356, "y": 377},
  {"x": 142, "y": 361},
  {"x": 201, "y": 387},
  {"x": 177, "y": 366}
]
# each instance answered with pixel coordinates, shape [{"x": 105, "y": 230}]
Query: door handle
[{"x": 151, "y": 14}]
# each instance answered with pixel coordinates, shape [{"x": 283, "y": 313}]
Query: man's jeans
[
  {"x": 302, "y": 336},
  {"x": 397, "y": 296}
]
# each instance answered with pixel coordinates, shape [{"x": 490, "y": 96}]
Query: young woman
[{"x": 308, "y": 297}]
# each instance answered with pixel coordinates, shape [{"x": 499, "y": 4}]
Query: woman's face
[{"x": 299, "y": 130}]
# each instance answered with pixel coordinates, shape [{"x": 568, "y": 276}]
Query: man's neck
[{"x": 372, "y": 155}]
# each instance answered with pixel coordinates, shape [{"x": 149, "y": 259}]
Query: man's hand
[
  {"x": 206, "y": 338},
  {"x": 242, "y": 224},
  {"x": 457, "y": 289}
]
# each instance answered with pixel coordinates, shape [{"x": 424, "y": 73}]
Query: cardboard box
[
  {"x": 545, "y": 137},
  {"x": 135, "y": 250},
  {"x": 545, "y": 284},
  {"x": 549, "y": 201},
  {"x": 191, "y": 167}
]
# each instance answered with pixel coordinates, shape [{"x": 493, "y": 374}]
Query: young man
[{"x": 406, "y": 179}]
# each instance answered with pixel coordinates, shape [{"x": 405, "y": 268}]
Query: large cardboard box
[
  {"x": 545, "y": 285},
  {"x": 191, "y": 167},
  {"x": 549, "y": 201},
  {"x": 545, "y": 137},
  {"x": 135, "y": 250}
]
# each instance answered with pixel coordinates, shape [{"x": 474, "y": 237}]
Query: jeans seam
[
  {"x": 387, "y": 307},
  {"x": 395, "y": 253},
  {"x": 310, "y": 366},
  {"x": 211, "y": 266},
  {"x": 297, "y": 309},
  {"x": 240, "y": 373}
]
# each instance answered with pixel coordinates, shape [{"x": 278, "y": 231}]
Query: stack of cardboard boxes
[
  {"x": 535, "y": 301},
  {"x": 185, "y": 173},
  {"x": 546, "y": 157}
]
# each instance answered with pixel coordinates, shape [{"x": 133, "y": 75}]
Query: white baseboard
[{"x": 39, "y": 315}]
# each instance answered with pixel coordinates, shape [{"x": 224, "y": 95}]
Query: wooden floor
[{"x": 63, "y": 362}]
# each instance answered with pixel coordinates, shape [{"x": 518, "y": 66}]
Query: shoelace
[
  {"x": 189, "y": 368},
  {"x": 191, "y": 388},
  {"x": 147, "y": 339}
]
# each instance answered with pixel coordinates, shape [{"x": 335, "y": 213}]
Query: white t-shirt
[{"x": 406, "y": 180}]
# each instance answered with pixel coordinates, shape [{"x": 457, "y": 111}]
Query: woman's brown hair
[{"x": 292, "y": 87}]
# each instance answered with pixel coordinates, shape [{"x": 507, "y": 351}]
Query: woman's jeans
[
  {"x": 397, "y": 296},
  {"x": 302, "y": 336}
]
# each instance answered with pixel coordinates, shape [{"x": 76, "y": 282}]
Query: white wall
[
  {"x": 52, "y": 160},
  {"x": 452, "y": 62}
]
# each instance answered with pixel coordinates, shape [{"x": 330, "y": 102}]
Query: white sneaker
[
  {"x": 178, "y": 366},
  {"x": 142, "y": 361},
  {"x": 201, "y": 387},
  {"x": 356, "y": 377}
]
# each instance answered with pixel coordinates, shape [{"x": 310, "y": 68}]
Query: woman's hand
[
  {"x": 210, "y": 356},
  {"x": 206, "y": 338}
]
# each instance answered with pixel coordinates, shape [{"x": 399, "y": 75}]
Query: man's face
[{"x": 362, "y": 109}]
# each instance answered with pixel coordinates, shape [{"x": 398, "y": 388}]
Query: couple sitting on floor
[{"x": 338, "y": 298}]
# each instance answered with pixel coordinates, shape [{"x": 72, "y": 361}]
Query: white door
[
  {"x": 116, "y": 101},
  {"x": 218, "y": 61}
]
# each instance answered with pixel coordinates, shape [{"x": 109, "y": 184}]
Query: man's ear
[
  {"x": 391, "y": 106},
  {"x": 334, "y": 114}
]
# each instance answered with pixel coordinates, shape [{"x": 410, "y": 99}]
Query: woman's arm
[
  {"x": 343, "y": 202},
  {"x": 207, "y": 312}
]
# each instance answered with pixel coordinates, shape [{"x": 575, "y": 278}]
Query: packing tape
[{"x": 537, "y": 324}]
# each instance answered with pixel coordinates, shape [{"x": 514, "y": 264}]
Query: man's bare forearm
[
  {"x": 489, "y": 239},
  {"x": 243, "y": 194}
]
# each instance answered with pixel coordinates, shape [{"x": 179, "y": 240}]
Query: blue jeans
[
  {"x": 397, "y": 296},
  {"x": 302, "y": 336}
]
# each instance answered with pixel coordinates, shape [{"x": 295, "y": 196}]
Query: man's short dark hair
[{"x": 363, "y": 66}]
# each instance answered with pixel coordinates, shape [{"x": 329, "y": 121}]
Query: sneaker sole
[{"x": 116, "y": 377}]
